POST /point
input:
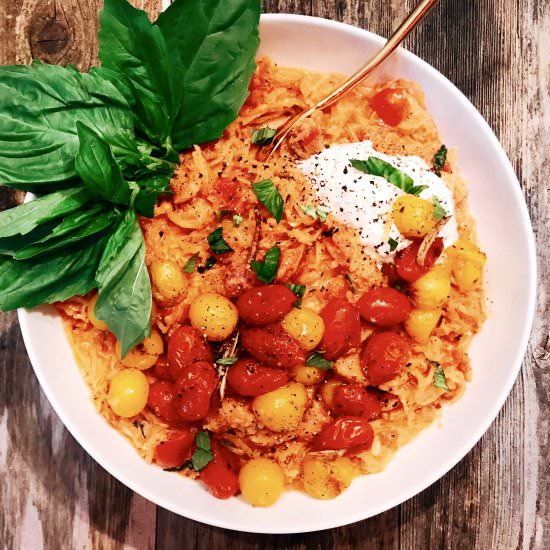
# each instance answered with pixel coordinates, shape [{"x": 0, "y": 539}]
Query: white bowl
[{"x": 505, "y": 234}]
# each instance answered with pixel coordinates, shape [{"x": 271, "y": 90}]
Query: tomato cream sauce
[{"x": 365, "y": 201}]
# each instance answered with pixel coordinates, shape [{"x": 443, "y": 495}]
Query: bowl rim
[{"x": 474, "y": 436}]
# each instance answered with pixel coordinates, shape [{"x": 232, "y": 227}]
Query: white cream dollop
[{"x": 365, "y": 201}]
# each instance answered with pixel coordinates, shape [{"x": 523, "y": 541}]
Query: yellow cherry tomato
[
  {"x": 308, "y": 376},
  {"x": 327, "y": 391},
  {"x": 432, "y": 289},
  {"x": 168, "y": 280},
  {"x": 421, "y": 322},
  {"x": 467, "y": 275},
  {"x": 326, "y": 478},
  {"x": 413, "y": 216},
  {"x": 128, "y": 393},
  {"x": 262, "y": 482},
  {"x": 305, "y": 326},
  {"x": 281, "y": 410},
  {"x": 145, "y": 354},
  {"x": 98, "y": 323},
  {"x": 214, "y": 316}
]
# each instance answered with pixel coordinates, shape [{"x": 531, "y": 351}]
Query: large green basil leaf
[
  {"x": 150, "y": 189},
  {"x": 49, "y": 278},
  {"x": 136, "y": 50},
  {"x": 213, "y": 45},
  {"x": 125, "y": 298},
  {"x": 24, "y": 218},
  {"x": 39, "y": 107},
  {"x": 98, "y": 168}
]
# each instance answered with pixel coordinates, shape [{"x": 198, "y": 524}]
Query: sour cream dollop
[{"x": 365, "y": 201}]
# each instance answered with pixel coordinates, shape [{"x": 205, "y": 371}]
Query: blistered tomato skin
[
  {"x": 162, "y": 401},
  {"x": 248, "y": 378},
  {"x": 346, "y": 432},
  {"x": 355, "y": 400},
  {"x": 265, "y": 304},
  {"x": 384, "y": 306},
  {"x": 177, "y": 449},
  {"x": 342, "y": 328},
  {"x": 273, "y": 347},
  {"x": 390, "y": 105},
  {"x": 407, "y": 266},
  {"x": 194, "y": 389},
  {"x": 186, "y": 346},
  {"x": 383, "y": 357},
  {"x": 221, "y": 475}
]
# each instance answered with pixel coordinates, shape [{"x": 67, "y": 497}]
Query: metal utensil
[{"x": 389, "y": 47}]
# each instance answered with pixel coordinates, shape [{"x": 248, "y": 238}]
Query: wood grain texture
[{"x": 54, "y": 496}]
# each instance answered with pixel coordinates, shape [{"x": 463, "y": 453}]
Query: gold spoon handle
[{"x": 389, "y": 47}]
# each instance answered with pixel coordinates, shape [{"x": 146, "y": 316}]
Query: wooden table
[{"x": 54, "y": 496}]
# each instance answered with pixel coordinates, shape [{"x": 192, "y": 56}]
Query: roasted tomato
[
  {"x": 384, "y": 354},
  {"x": 272, "y": 346},
  {"x": 221, "y": 474},
  {"x": 355, "y": 400},
  {"x": 384, "y": 306},
  {"x": 390, "y": 105},
  {"x": 186, "y": 346},
  {"x": 194, "y": 388},
  {"x": 346, "y": 432},
  {"x": 266, "y": 304},
  {"x": 162, "y": 370},
  {"x": 406, "y": 265},
  {"x": 342, "y": 328},
  {"x": 177, "y": 449},
  {"x": 249, "y": 378},
  {"x": 162, "y": 401}
]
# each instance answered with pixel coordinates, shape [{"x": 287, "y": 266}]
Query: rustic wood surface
[{"x": 53, "y": 495}]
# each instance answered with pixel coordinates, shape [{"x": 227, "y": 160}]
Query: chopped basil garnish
[
  {"x": 266, "y": 271},
  {"x": 439, "y": 160},
  {"x": 237, "y": 220},
  {"x": 216, "y": 242},
  {"x": 270, "y": 197},
  {"x": 203, "y": 453},
  {"x": 439, "y": 376},
  {"x": 379, "y": 167},
  {"x": 209, "y": 264},
  {"x": 320, "y": 212},
  {"x": 316, "y": 359},
  {"x": 263, "y": 136},
  {"x": 393, "y": 244},
  {"x": 190, "y": 264},
  {"x": 438, "y": 212},
  {"x": 226, "y": 361},
  {"x": 299, "y": 290}
]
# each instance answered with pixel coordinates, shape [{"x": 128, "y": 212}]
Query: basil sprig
[
  {"x": 438, "y": 212},
  {"x": 316, "y": 359},
  {"x": 270, "y": 197},
  {"x": 439, "y": 160},
  {"x": 440, "y": 381},
  {"x": 379, "y": 167},
  {"x": 217, "y": 242},
  {"x": 299, "y": 290},
  {"x": 100, "y": 147},
  {"x": 266, "y": 271},
  {"x": 203, "y": 453},
  {"x": 262, "y": 136}
]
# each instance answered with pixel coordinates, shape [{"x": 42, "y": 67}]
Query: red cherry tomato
[
  {"x": 390, "y": 105},
  {"x": 266, "y": 304},
  {"x": 346, "y": 432},
  {"x": 186, "y": 346},
  {"x": 162, "y": 370},
  {"x": 342, "y": 328},
  {"x": 384, "y": 306},
  {"x": 406, "y": 265},
  {"x": 355, "y": 400},
  {"x": 162, "y": 401},
  {"x": 248, "y": 378},
  {"x": 194, "y": 389},
  {"x": 221, "y": 474},
  {"x": 384, "y": 354},
  {"x": 176, "y": 450},
  {"x": 390, "y": 272},
  {"x": 272, "y": 346}
]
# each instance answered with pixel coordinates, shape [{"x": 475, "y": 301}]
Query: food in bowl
[{"x": 311, "y": 313}]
